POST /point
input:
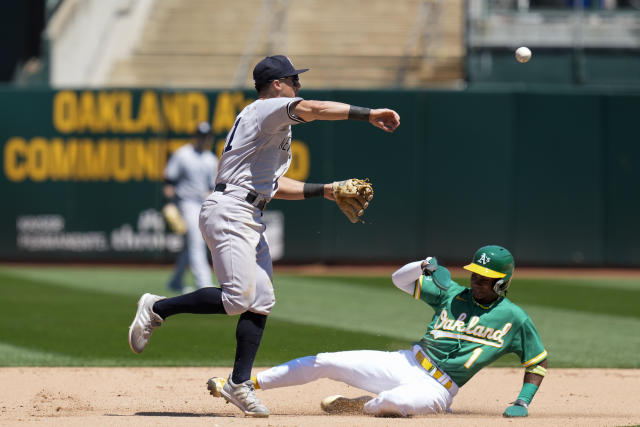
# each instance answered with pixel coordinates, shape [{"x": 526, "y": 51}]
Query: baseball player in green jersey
[{"x": 471, "y": 328}]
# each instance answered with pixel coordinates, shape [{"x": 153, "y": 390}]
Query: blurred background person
[{"x": 189, "y": 178}]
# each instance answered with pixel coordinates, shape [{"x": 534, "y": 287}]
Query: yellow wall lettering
[
  {"x": 159, "y": 149},
  {"x": 153, "y": 160},
  {"x": 15, "y": 155},
  {"x": 92, "y": 160},
  {"x": 88, "y": 119},
  {"x": 124, "y": 106},
  {"x": 65, "y": 111},
  {"x": 227, "y": 107},
  {"x": 224, "y": 113},
  {"x": 173, "y": 110},
  {"x": 83, "y": 160},
  {"x": 61, "y": 157},
  {"x": 113, "y": 111},
  {"x": 119, "y": 170},
  {"x": 82, "y": 169},
  {"x": 197, "y": 111},
  {"x": 106, "y": 110},
  {"x": 139, "y": 164},
  {"x": 148, "y": 113},
  {"x": 37, "y": 159}
]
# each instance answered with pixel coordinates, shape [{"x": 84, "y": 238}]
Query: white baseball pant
[
  {"x": 234, "y": 232},
  {"x": 402, "y": 386},
  {"x": 195, "y": 245}
]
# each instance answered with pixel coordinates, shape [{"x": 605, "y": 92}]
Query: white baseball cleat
[
  {"x": 242, "y": 395},
  {"x": 144, "y": 323},
  {"x": 337, "y": 404}
]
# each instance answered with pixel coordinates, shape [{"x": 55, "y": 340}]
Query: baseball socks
[
  {"x": 203, "y": 301},
  {"x": 209, "y": 301},
  {"x": 248, "y": 336}
]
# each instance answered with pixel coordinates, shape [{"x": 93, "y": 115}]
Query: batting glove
[
  {"x": 429, "y": 266},
  {"x": 441, "y": 276}
]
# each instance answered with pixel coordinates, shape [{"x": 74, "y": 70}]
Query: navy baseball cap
[{"x": 273, "y": 68}]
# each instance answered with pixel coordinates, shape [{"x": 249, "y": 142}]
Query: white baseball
[{"x": 523, "y": 54}]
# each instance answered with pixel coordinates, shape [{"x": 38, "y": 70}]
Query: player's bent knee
[
  {"x": 238, "y": 306},
  {"x": 234, "y": 307},
  {"x": 267, "y": 308}
]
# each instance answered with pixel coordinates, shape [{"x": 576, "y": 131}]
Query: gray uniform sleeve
[
  {"x": 276, "y": 113},
  {"x": 172, "y": 170}
]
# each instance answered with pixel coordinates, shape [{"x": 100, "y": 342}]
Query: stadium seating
[{"x": 354, "y": 43}]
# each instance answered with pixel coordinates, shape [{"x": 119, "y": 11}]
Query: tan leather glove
[{"x": 353, "y": 197}]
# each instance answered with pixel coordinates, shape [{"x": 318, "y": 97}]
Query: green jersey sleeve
[
  {"x": 527, "y": 343},
  {"x": 427, "y": 291}
]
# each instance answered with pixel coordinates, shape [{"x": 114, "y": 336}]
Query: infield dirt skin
[{"x": 178, "y": 396}]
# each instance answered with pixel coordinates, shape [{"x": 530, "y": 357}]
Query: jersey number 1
[
  {"x": 476, "y": 353},
  {"x": 233, "y": 132}
]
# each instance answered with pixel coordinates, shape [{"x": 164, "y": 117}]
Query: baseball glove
[
  {"x": 353, "y": 197},
  {"x": 174, "y": 219}
]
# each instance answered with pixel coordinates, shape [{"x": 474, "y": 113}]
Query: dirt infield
[{"x": 178, "y": 396}]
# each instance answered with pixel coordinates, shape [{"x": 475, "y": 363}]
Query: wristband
[
  {"x": 527, "y": 392},
  {"x": 359, "y": 113},
  {"x": 521, "y": 403},
  {"x": 312, "y": 190}
]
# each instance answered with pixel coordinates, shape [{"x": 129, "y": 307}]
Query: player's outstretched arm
[
  {"x": 383, "y": 118},
  {"x": 291, "y": 189},
  {"x": 352, "y": 195},
  {"x": 532, "y": 379}
]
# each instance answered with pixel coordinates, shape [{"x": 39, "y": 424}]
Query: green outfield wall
[
  {"x": 555, "y": 66},
  {"x": 552, "y": 175}
]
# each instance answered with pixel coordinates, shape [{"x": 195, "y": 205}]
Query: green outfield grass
[{"x": 57, "y": 316}]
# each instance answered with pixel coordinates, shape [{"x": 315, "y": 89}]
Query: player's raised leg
[{"x": 144, "y": 323}]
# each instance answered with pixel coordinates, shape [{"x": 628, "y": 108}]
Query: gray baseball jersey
[
  {"x": 193, "y": 173},
  {"x": 258, "y": 147}
]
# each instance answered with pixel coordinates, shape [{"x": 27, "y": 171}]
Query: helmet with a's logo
[{"x": 495, "y": 262}]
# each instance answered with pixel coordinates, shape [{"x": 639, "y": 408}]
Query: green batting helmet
[{"x": 495, "y": 262}]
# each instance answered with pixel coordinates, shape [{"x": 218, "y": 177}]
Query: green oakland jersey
[{"x": 464, "y": 336}]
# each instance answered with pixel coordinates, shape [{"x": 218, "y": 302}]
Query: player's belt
[
  {"x": 256, "y": 199},
  {"x": 436, "y": 373}
]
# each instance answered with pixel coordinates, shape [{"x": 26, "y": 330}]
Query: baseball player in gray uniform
[
  {"x": 256, "y": 156},
  {"x": 189, "y": 178}
]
